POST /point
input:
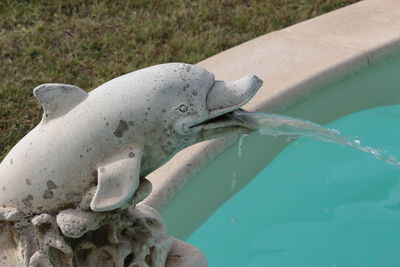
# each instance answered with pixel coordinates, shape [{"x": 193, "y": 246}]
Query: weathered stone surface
[
  {"x": 72, "y": 187},
  {"x": 126, "y": 237},
  {"x": 110, "y": 138}
]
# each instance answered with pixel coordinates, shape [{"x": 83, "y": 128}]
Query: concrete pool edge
[{"x": 298, "y": 61}]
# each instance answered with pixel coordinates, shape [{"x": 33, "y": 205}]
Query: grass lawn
[{"x": 86, "y": 43}]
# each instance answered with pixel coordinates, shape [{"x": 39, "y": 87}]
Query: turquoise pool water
[{"x": 316, "y": 204}]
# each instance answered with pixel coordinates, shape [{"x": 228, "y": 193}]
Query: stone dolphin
[{"x": 111, "y": 138}]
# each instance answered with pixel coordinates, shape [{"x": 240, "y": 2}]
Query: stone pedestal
[{"x": 133, "y": 237}]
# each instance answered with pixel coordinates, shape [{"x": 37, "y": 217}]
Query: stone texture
[
  {"x": 185, "y": 255},
  {"x": 370, "y": 26},
  {"x": 127, "y": 237},
  {"x": 291, "y": 65},
  {"x": 72, "y": 186},
  {"x": 116, "y": 135}
]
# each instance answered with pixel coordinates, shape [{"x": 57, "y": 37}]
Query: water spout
[{"x": 281, "y": 125}]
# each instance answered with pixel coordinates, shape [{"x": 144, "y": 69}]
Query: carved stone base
[{"x": 133, "y": 237}]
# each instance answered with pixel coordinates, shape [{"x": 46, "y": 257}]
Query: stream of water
[{"x": 281, "y": 125}]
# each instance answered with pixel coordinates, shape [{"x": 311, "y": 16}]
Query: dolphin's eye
[{"x": 183, "y": 108}]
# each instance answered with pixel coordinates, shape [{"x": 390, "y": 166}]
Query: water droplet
[
  {"x": 233, "y": 184},
  {"x": 240, "y": 144}
]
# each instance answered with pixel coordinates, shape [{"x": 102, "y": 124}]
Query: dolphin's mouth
[
  {"x": 224, "y": 102},
  {"x": 235, "y": 118},
  {"x": 235, "y": 122}
]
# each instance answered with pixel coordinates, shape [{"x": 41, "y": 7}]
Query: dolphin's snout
[{"x": 233, "y": 94}]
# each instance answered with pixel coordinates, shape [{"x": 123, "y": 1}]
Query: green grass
[{"x": 86, "y": 43}]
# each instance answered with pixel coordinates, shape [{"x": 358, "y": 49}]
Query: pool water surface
[{"x": 316, "y": 204}]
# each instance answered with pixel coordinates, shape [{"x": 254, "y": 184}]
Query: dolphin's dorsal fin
[
  {"x": 57, "y": 99},
  {"x": 117, "y": 182}
]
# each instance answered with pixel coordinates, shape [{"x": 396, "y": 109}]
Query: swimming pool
[
  {"x": 315, "y": 204},
  {"x": 229, "y": 173}
]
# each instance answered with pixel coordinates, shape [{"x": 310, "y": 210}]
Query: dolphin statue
[{"x": 108, "y": 140}]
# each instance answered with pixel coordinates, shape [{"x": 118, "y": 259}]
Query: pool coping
[{"x": 299, "y": 61}]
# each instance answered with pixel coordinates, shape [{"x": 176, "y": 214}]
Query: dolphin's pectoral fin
[
  {"x": 117, "y": 183},
  {"x": 57, "y": 99}
]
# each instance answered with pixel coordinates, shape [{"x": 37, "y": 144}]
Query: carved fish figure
[{"x": 110, "y": 138}]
